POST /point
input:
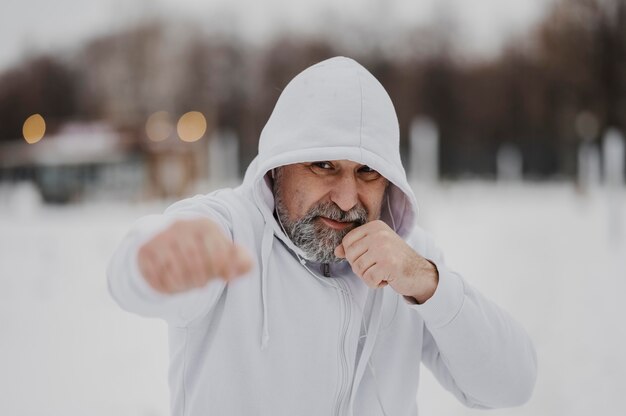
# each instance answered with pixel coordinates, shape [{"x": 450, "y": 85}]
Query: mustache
[{"x": 357, "y": 214}]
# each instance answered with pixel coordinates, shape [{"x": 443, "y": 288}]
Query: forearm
[{"x": 478, "y": 349}]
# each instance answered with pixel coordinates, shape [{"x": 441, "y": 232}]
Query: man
[{"x": 309, "y": 289}]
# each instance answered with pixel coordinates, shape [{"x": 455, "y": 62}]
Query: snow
[{"x": 542, "y": 251}]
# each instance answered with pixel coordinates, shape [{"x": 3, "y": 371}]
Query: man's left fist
[{"x": 379, "y": 256}]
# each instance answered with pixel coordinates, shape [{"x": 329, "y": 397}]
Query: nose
[{"x": 345, "y": 193}]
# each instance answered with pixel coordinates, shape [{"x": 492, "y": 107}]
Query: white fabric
[{"x": 284, "y": 340}]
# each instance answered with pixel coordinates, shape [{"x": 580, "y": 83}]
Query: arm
[
  {"x": 139, "y": 286},
  {"x": 473, "y": 347}
]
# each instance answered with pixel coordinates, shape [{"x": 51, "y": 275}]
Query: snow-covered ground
[{"x": 544, "y": 252}]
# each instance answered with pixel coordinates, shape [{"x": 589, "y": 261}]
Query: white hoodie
[{"x": 287, "y": 340}]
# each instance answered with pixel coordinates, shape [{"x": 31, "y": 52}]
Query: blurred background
[{"x": 512, "y": 119}]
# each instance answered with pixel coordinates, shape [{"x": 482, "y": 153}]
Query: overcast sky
[{"x": 31, "y": 26}]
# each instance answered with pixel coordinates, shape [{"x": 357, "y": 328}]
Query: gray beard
[{"x": 316, "y": 240}]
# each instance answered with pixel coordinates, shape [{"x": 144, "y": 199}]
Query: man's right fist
[{"x": 188, "y": 254}]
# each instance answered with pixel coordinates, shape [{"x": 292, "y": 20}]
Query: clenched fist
[
  {"x": 188, "y": 254},
  {"x": 380, "y": 257}
]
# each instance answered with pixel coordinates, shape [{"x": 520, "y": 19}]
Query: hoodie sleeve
[
  {"x": 475, "y": 349},
  {"x": 132, "y": 292}
]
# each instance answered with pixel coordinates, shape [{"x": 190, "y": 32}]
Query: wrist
[{"x": 430, "y": 278}]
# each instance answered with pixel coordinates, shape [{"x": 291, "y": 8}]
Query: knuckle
[
  {"x": 176, "y": 227},
  {"x": 196, "y": 267},
  {"x": 160, "y": 285},
  {"x": 349, "y": 254},
  {"x": 206, "y": 227},
  {"x": 359, "y": 265},
  {"x": 379, "y": 223},
  {"x": 208, "y": 266},
  {"x": 204, "y": 223},
  {"x": 219, "y": 255},
  {"x": 214, "y": 267}
]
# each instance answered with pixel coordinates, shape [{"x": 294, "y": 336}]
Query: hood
[
  {"x": 336, "y": 110},
  {"x": 332, "y": 110}
]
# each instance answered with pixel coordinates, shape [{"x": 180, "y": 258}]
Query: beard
[{"x": 316, "y": 240}]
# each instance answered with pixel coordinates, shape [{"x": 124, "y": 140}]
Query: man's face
[{"x": 318, "y": 203}]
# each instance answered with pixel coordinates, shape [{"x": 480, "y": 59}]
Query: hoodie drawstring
[{"x": 266, "y": 249}]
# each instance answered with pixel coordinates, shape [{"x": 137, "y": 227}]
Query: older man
[{"x": 309, "y": 289}]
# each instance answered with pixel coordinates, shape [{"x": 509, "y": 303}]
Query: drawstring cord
[
  {"x": 266, "y": 248},
  {"x": 267, "y": 241},
  {"x": 393, "y": 222}
]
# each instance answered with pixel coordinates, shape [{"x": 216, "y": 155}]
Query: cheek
[
  {"x": 373, "y": 207},
  {"x": 301, "y": 192},
  {"x": 298, "y": 203},
  {"x": 374, "y": 203},
  {"x": 375, "y": 212},
  {"x": 305, "y": 196}
]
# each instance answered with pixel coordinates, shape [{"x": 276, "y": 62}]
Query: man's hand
[
  {"x": 380, "y": 257},
  {"x": 188, "y": 254}
]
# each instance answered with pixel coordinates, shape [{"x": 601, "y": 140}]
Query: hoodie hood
[
  {"x": 332, "y": 110},
  {"x": 337, "y": 110}
]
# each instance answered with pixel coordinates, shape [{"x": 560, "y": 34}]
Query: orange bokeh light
[
  {"x": 191, "y": 126},
  {"x": 34, "y": 128}
]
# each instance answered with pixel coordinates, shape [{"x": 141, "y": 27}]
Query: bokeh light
[
  {"x": 191, "y": 126},
  {"x": 159, "y": 126},
  {"x": 34, "y": 128}
]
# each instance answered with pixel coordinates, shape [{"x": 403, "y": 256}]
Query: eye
[
  {"x": 322, "y": 165},
  {"x": 368, "y": 173}
]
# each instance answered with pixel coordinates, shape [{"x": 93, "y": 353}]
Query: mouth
[{"x": 337, "y": 225}]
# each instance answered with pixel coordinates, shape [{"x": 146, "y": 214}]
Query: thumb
[{"x": 340, "y": 252}]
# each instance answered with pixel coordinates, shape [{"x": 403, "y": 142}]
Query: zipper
[
  {"x": 343, "y": 361},
  {"x": 344, "y": 383}
]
